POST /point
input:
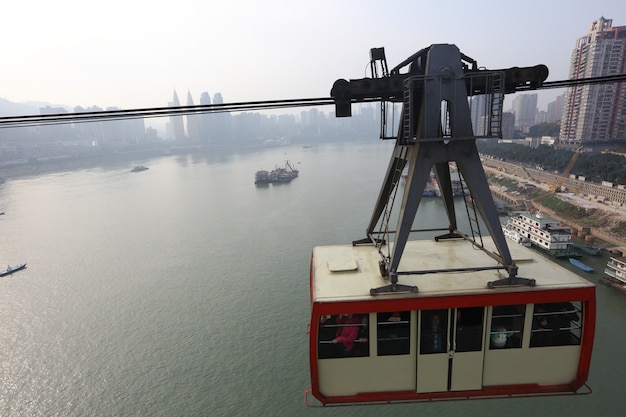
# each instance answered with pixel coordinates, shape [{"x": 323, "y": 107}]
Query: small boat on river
[
  {"x": 580, "y": 265},
  {"x": 11, "y": 269}
]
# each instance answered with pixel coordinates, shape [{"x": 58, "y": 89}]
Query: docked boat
[
  {"x": 285, "y": 173},
  {"x": 459, "y": 188},
  {"x": 580, "y": 265},
  {"x": 615, "y": 273},
  {"x": 11, "y": 269},
  {"x": 589, "y": 249},
  {"x": 139, "y": 168},
  {"x": 545, "y": 233},
  {"x": 431, "y": 189},
  {"x": 514, "y": 235}
]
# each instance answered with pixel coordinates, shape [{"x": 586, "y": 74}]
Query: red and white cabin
[{"x": 455, "y": 338}]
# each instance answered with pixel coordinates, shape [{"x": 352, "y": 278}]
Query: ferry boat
[
  {"x": 514, "y": 235},
  {"x": 615, "y": 272},
  {"x": 544, "y": 233},
  {"x": 279, "y": 174}
]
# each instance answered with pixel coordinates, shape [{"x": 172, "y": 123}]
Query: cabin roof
[{"x": 347, "y": 273}]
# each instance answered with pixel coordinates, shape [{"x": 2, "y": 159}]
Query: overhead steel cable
[
  {"x": 92, "y": 116},
  {"x": 151, "y": 112},
  {"x": 580, "y": 81},
  {"x": 65, "y": 118}
]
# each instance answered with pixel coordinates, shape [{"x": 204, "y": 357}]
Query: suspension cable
[{"x": 91, "y": 116}]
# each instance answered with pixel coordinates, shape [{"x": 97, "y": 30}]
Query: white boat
[
  {"x": 544, "y": 233},
  {"x": 615, "y": 273},
  {"x": 514, "y": 235},
  {"x": 11, "y": 269}
]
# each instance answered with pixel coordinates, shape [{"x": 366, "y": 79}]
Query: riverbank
[
  {"x": 608, "y": 217},
  {"x": 42, "y": 166}
]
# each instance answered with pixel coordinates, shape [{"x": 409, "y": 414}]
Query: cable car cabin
[
  {"x": 462, "y": 323},
  {"x": 455, "y": 337}
]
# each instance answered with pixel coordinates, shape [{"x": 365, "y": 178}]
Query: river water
[{"x": 183, "y": 290}]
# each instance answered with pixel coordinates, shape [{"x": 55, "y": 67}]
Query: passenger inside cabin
[
  {"x": 395, "y": 317},
  {"x": 343, "y": 335},
  {"x": 543, "y": 328},
  {"x": 556, "y": 324},
  {"x": 507, "y": 326},
  {"x": 499, "y": 337},
  {"x": 433, "y": 336},
  {"x": 468, "y": 334},
  {"x": 437, "y": 334},
  {"x": 347, "y": 332},
  {"x": 567, "y": 318}
]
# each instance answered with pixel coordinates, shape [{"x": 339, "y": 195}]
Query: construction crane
[{"x": 556, "y": 187}]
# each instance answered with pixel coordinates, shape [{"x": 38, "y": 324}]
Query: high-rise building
[
  {"x": 193, "y": 122},
  {"x": 479, "y": 108},
  {"x": 205, "y": 120},
  {"x": 554, "y": 114},
  {"x": 596, "y": 112},
  {"x": 508, "y": 123},
  {"x": 220, "y": 127},
  {"x": 525, "y": 109},
  {"x": 178, "y": 127}
]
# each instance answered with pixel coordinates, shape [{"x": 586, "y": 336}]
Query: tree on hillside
[
  {"x": 599, "y": 166},
  {"x": 544, "y": 129}
]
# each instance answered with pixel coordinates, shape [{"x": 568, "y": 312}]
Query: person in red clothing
[{"x": 347, "y": 332}]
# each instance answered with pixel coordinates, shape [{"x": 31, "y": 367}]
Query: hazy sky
[{"x": 134, "y": 53}]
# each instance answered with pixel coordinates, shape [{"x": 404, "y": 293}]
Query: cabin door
[{"x": 450, "y": 350}]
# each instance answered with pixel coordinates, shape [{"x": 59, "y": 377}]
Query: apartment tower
[{"x": 596, "y": 112}]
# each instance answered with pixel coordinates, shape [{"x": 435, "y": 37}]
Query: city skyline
[{"x": 255, "y": 51}]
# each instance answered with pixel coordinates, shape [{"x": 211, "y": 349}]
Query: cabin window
[
  {"x": 468, "y": 334},
  {"x": 434, "y": 330},
  {"x": 394, "y": 330},
  {"x": 343, "y": 335},
  {"x": 507, "y": 326},
  {"x": 557, "y": 324}
]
